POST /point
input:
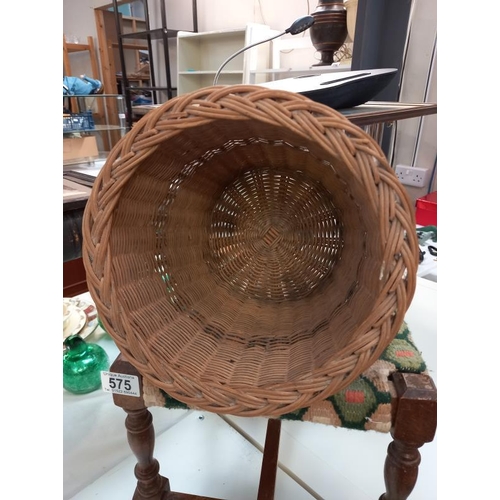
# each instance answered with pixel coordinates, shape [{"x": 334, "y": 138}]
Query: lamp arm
[
  {"x": 298, "y": 26},
  {"x": 231, "y": 57}
]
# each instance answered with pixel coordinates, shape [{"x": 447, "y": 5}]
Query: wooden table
[{"x": 375, "y": 112}]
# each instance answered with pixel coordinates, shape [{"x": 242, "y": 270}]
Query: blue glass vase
[{"x": 82, "y": 365}]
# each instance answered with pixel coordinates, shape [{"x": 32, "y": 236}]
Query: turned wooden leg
[
  {"x": 140, "y": 433},
  {"x": 141, "y": 438},
  {"x": 414, "y": 422}
]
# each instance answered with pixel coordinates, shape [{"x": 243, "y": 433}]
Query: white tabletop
[{"x": 203, "y": 453}]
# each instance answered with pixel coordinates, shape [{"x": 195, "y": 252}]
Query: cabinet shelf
[
  {"x": 130, "y": 46},
  {"x": 155, "y": 34},
  {"x": 78, "y": 47},
  {"x": 96, "y": 129},
  {"x": 151, "y": 89},
  {"x": 145, "y": 78},
  {"x": 88, "y": 144},
  {"x": 199, "y": 56},
  {"x": 210, "y": 72}
]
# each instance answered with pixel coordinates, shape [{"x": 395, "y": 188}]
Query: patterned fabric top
[{"x": 364, "y": 405}]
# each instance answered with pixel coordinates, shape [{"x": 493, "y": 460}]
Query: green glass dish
[{"x": 82, "y": 365}]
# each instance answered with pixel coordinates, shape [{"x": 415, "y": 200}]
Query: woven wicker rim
[{"x": 264, "y": 359}]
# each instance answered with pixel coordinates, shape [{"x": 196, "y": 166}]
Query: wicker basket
[{"x": 249, "y": 250}]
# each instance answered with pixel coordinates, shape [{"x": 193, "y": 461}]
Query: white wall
[
  {"x": 79, "y": 21},
  {"x": 78, "y": 18},
  {"x": 278, "y": 14}
]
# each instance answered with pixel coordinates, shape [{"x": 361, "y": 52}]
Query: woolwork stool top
[{"x": 249, "y": 250}]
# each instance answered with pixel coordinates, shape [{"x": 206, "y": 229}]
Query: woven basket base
[{"x": 250, "y": 251}]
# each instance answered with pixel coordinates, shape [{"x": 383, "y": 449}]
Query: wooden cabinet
[{"x": 199, "y": 56}]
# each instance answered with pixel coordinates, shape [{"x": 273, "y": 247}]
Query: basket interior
[{"x": 243, "y": 254}]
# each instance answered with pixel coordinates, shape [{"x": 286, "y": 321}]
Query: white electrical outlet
[{"x": 412, "y": 176}]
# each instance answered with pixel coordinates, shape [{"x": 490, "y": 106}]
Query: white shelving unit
[
  {"x": 294, "y": 56},
  {"x": 199, "y": 56}
]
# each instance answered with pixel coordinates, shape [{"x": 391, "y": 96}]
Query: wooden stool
[{"x": 412, "y": 413}]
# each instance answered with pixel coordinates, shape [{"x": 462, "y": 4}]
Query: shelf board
[
  {"x": 312, "y": 70},
  {"x": 132, "y": 18},
  {"x": 97, "y": 128},
  {"x": 152, "y": 88},
  {"x": 90, "y": 162},
  {"x": 77, "y": 47},
  {"x": 81, "y": 161},
  {"x": 216, "y": 34},
  {"x": 194, "y": 73},
  {"x": 91, "y": 96},
  {"x": 155, "y": 34},
  {"x": 130, "y": 46}
]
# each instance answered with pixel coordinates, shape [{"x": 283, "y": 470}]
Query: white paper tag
[{"x": 120, "y": 383}]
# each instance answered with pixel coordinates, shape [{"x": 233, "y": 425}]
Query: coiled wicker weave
[{"x": 249, "y": 250}]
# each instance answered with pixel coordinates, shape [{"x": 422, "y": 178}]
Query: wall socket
[{"x": 412, "y": 176}]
